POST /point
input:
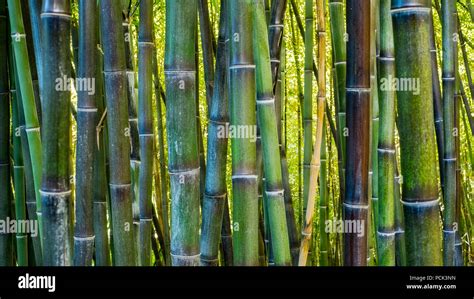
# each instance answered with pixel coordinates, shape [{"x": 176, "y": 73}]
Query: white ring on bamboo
[
  {"x": 53, "y": 193},
  {"x": 84, "y": 238},
  {"x": 340, "y": 63},
  {"x": 120, "y": 185},
  {"x": 410, "y": 9},
  {"x": 55, "y": 14},
  {"x": 428, "y": 203},
  {"x": 91, "y": 110},
  {"x": 449, "y": 231},
  {"x": 386, "y": 150},
  {"x": 276, "y": 26},
  {"x": 245, "y": 176},
  {"x": 191, "y": 171},
  {"x": 146, "y": 43},
  {"x": 386, "y": 58},
  {"x": 276, "y": 192},
  {"x": 355, "y": 206},
  {"x": 386, "y": 234},
  {"x": 32, "y": 129},
  {"x": 146, "y": 219},
  {"x": 186, "y": 257},
  {"x": 242, "y": 66},
  {"x": 358, "y": 89}
]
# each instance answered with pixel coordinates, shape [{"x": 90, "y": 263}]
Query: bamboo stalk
[
  {"x": 6, "y": 249},
  {"x": 25, "y": 85},
  {"x": 180, "y": 72},
  {"x": 215, "y": 195},
  {"x": 55, "y": 189},
  {"x": 411, "y": 21},
  {"x": 267, "y": 118},
  {"x": 314, "y": 166},
  {"x": 437, "y": 102},
  {"x": 323, "y": 205},
  {"x": 161, "y": 150},
  {"x": 386, "y": 234},
  {"x": 145, "y": 128},
  {"x": 207, "y": 47},
  {"x": 449, "y": 85},
  {"x": 242, "y": 98},
  {"x": 86, "y": 136},
  {"x": 118, "y": 132},
  {"x": 356, "y": 201}
]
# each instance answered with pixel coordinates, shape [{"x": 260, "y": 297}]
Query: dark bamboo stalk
[
  {"x": 6, "y": 249},
  {"x": 356, "y": 202},
  {"x": 145, "y": 128},
  {"x": 55, "y": 188},
  {"x": 86, "y": 135},
  {"x": 118, "y": 132}
]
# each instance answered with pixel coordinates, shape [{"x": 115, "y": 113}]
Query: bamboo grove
[{"x": 236, "y": 133}]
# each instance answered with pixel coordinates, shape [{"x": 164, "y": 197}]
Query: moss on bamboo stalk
[{"x": 416, "y": 122}]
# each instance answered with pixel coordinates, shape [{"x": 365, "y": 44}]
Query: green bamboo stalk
[
  {"x": 118, "y": 132},
  {"x": 242, "y": 96},
  {"x": 411, "y": 21},
  {"x": 207, "y": 47},
  {"x": 86, "y": 136},
  {"x": 55, "y": 188},
  {"x": 132, "y": 114},
  {"x": 437, "y": 102},
  {"x": 25, "y": 85},
  {"x": 34, "y": 8},
  {"x": 400, "y": 244},
  {"x": 356, "y": 201},
  {"x": 449, "y": 77},
  {"x": 101, "y": 242},
  {"x": 6, "y": 249},
  {"x": 267, "y": 119},
  {"x": 374, "y": 127},
  {"x": 315, "y": 164},
  {"x": 308, "y": 101},
  {"x": 336, "y": 11},
  {"x": 281, "y": 98},
  {"x": 161, "y": 150},
  {"x": 386, "y": 253},
  {"x": 323, "y": 206},
  {"x": 145, "y": 128},
  {"x": 18, "y": 167},
  {"x": 183, "y": 164},
  {"x": 275, "y": 34},
  {"x": 226, "y": 237},
  {"x": 29, "y": 192},
  {"x": 215, "y": 195}
]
